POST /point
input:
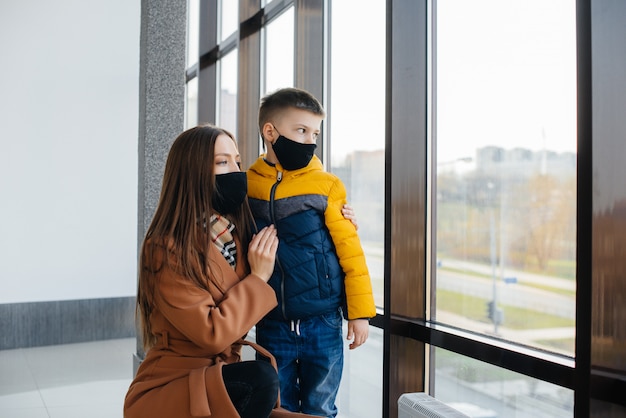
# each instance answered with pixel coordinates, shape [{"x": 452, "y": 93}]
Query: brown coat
[{"x": 198, "y": 332}]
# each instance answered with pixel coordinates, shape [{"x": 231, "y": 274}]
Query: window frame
[{"x": 408, "y": 332}]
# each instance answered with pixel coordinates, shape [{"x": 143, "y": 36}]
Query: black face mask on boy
[
  {"x": 293, "y": 155},
  {"x": 230, "y": 191}
]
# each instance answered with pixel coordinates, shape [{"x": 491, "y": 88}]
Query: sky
[{"x": 506, "y": 76}]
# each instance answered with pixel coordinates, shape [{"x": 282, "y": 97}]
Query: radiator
[{"x": 422, "y": 405}]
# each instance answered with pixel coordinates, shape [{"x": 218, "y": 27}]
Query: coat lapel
[{"x": 226, "y": 276}]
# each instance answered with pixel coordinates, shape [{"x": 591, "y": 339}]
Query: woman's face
[{"x": 227, "y": 157}]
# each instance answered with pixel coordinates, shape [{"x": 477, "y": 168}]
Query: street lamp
[{"x": 494, "y": 313}]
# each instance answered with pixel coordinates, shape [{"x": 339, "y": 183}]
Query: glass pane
[
  {"x": 227, "y": 108},
  {"x": 361, "y": 390},
  {"x": 359, "y": 161},
  {"x": 357, "y": 121},
  {"x": 482, "y": 390},
  {"x": 191, "y": 103},
  {"x": 279, "y": 52},
  {"x": 229, "y": 13},
  {"x": 193, "y": 24},
  {"x": 506, "y": 169}
]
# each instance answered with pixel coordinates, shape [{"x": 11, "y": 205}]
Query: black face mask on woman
[
  {"x": 230, "y": 191},
  {"x": 293, "y": 155}
]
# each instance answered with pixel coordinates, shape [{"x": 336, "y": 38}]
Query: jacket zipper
[{"x": 279, "y": 177}]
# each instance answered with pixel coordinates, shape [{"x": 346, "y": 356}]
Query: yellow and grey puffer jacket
[{"x": 320, "y": 264}]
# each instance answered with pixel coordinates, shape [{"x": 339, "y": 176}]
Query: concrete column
[{"x": 161, "y": 103}]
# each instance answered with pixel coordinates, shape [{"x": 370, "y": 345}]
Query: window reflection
[
  {"x": 481, "y": 390},
  {"x": 279, "y": 48},
  {"x": 506, "y": 170},
  {"x": 227, "y": 107},
  {"x": 608, "y": 328}
]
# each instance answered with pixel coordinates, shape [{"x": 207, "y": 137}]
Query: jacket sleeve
[
  {"x": 210, "y": 325},
  {"x": 357, "y": 283}
]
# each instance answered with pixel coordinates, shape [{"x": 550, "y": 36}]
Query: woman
[{"x": 201, "y": 288}]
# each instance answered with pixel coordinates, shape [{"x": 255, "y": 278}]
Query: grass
[
  {"x": 565, "y": 269},
  {"x": 475, "y": 308},
  {"x": 564, "y": 292}
]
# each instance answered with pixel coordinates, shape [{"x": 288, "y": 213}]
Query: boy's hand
[{"x": 358, "y": 331}]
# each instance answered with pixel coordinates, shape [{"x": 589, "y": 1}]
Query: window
[
  {"x": 356, "y": 119},
  {"x": 229, "y": 18},
  {"x": 279, "y": 52},
  {"x": 227, "y": 109},
  {"x": 480, "y": 389},
  {"x": 193, "y": 22},
  {"x": 191, "y": 103},
  {"x": 453, "y": 125},
  {"x": 191, "y": 88},
  {"x": 506, "y": 170},
  {"x": 228, "y": 23},
  {"x": 505, "y": 198}
]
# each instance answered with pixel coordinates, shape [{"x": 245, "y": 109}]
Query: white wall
[{"x": 69, "y": 90}]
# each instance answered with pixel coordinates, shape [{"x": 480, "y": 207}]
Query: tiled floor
[
  {"x": 66, "y": 381},
  {"x": 91, "y": 379}
]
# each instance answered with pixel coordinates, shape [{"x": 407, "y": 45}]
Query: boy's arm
[{"x": 357, "y": 283}]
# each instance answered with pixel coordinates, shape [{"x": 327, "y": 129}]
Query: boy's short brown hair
[{"x": 278, "y": 101}]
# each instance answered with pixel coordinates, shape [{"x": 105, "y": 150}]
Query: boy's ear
[{"x": 268, "y": 132}]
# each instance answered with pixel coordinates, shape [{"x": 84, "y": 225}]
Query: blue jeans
[{"x": 309, "y": 355}]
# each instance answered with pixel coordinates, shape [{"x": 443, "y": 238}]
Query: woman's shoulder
[
  {"x": 156, "y": 250},
  {"x": 159, "y": 245}
]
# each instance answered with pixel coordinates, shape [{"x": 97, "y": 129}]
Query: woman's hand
[
  {"x": 348, "y": 212},
  {"x": 262, "y": 252}
]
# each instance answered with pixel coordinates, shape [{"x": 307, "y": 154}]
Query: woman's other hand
[
  {"x": 348, "y": 212},
  {"x": 262, "y": 252}
]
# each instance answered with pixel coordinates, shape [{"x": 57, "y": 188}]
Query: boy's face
[{"x": 295, "y": 124}]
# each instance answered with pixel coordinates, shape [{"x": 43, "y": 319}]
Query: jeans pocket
[{"x": 332, "y": 320}]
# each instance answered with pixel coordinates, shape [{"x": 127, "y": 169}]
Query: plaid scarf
[{"x": 221, "y": 235}]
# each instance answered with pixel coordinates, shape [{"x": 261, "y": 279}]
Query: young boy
[{"x": 320, "y": 270}]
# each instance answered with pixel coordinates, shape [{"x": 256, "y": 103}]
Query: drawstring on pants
[{"x": 295, "y": 326}]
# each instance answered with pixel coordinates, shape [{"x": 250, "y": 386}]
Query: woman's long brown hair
[{"x": 178, "y": 232}]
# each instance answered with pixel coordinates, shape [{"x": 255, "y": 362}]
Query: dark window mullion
[{"x": 584, "y": 220}]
